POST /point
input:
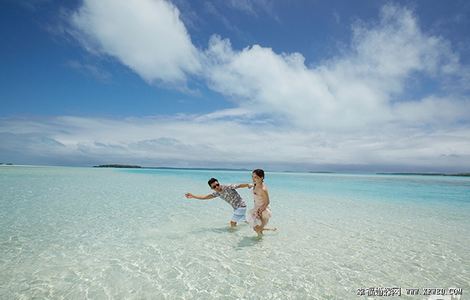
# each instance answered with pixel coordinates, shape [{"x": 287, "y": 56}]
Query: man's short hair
[{"x": 211, "y": 181}]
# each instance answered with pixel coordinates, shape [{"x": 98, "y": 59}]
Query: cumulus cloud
[
  {"x": 146, "y": 35},
  {"x": 357, "y": 89},
  {"x": 352, "y": 109},
  {"x": 433, "y": 111},
  {"x": 354, "y": 90}
]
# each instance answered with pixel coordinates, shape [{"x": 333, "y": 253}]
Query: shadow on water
[
  {"x": 224, "y": 229},
  {"x": 249, "y": 241}
]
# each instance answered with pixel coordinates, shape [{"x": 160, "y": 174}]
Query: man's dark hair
[{"x": 211, "y": 181}]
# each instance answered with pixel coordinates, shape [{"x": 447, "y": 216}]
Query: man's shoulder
[{"x": 230, "y": 186}]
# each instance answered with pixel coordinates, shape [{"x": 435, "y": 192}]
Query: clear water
[{"x": 84, "y": 233}]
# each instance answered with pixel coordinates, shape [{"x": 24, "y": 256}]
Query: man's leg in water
[{"x": 238, "y": 216}]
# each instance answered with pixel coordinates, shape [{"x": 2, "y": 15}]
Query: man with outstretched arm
[{"x": 230, "y": 195}]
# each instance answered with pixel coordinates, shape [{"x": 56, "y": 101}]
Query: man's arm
[
  {"x": 200, "y": 197},
  {"x": 242, "y": 185}
]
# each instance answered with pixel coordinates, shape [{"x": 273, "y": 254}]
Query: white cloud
[
  {"x": 146, "y": 35},
  {"x": 186, "y": 141},
  {"x": 355, "y": 90},
  {"x": 347, "y": 92},
  {"x": 243, "y": 5},
  {"x": 90, "y": 69},
  {"x": 434, "y": 111},
  {"x": 238, "y": 113},
  {"x": 256, "y": 8},
  {"x": 349, "y": 110}
]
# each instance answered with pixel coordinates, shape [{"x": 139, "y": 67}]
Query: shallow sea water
[{"x": 91, "y": 233}]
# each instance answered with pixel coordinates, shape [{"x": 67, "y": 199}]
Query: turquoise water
[{"x": 84, "y": 233}]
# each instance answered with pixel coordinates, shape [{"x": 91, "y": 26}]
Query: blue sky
[{"x": 301, "y": 85}]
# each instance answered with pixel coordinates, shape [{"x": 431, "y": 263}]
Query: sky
[{"x": 353, "y": 86}]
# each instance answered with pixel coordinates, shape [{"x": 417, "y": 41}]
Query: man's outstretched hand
[{"x": 189, "y": 195}]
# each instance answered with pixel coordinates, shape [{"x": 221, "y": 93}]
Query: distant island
[
  {"x": 7, "y": 164},
  {"x": 313, "y": 172},
  {"x": 203, "y": 169},
  {"x": 165, "y": 168},
  {"x": 247, "y": 170},
  {"x": 427, "y": 174},
  {"x": 118, "y": 166}
]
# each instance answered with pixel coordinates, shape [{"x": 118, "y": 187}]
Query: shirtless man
[{"x": 230, "y": 195}]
